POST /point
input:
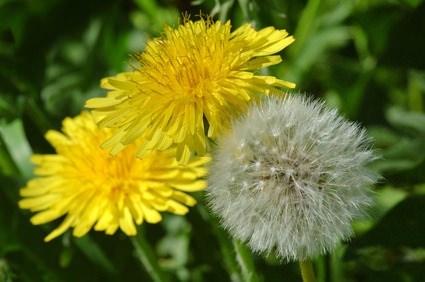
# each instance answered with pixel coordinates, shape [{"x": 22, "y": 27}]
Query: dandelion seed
[{"x": 312, "y": 182}]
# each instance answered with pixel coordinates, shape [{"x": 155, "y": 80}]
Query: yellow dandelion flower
[
  {"x": 196, "y": 72},
  {"x": 90, "y": 188}
]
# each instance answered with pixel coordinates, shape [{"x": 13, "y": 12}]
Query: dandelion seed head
[{"x": 297, "y": 192}]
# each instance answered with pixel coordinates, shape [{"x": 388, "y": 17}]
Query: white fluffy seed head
[{"x": 290, "y": 177}]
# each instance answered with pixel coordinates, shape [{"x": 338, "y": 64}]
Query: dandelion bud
[{"x": 298, "y": 181}]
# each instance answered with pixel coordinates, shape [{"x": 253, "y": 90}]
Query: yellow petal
[
  {"x": 191, "y": 186},
  {"x": 176, "y": 208},
  {"x": 61, "y": 229},
  {"x": 126, "y": 223},
  {"x": 151, "y": 215}
]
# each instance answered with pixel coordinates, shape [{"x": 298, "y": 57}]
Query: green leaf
[
  {"x": 383, "y": 137},
  {"x": 404, "y": 155},
  {"x": 406, "y": 120},
  {"x": 17, "y": 145},
  {"x": 402, "y": 226},
  {"x": 174, "y": 246},
  {"x": 222, "y": 9},
  {"x": 315, "y": 49},
  {"x": 6, "y": 274}
]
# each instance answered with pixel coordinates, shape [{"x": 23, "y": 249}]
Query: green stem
[
  {"x": 307, "y": 271},
  {"x": 321, "y": 268},
  {"x": 147, "y": 257},
  {"x": 336, "y": 264},
  {"x": 228, "y": 255},
  {"x": 246, "y": 263},
  {"x": 225, "y": 243}
]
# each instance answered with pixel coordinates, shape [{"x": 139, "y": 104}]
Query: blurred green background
[{"x": 365, "y": 57}]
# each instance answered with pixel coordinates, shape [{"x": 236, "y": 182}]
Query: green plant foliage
[{"x": 364, "y": 57}]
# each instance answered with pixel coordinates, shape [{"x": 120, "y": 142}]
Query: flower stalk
[
  {"x": 147, "y": 258},
  {"x": 307, "y": 271},
  {"x": 226, "y": 248},
  {"x": 246, "y": 263}
]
